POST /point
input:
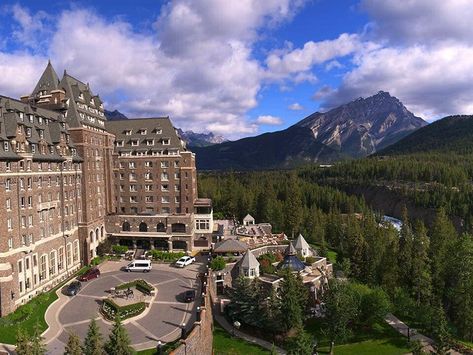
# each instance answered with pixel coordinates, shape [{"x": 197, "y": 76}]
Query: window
[
  {"x": 148, "y": 176},
  {"x": 164, "y": 164},
  {"x": 52, "y": 262},
  {"x": 148, "y": 187},
  {"x": 6, "y": 146},
  {"x": 10, "y": 243},
  {"x": 143, "y": 131},
  {"x": 133, "y": 188},
  {"x": 132, "y": 176},
  {"x": 42, "y": 267},
  {"x": 9, "y": 224},
  {"x": 143, "y": 227},
  {"x": 135, "y": 143},
  {"x": 126, "y": 226},
  {"x": 128, "y": 132},
  {"x": 8, "y": 184},
  {"x": 148, "y": 199},
  {"x": 164, "y": 176},
  {"x": 161, "y": 227},
  {"x": 164, "y": 199},
  {"x": 164, "y": 187},
  {"x": 202, "y": 224},
  {"x": 60, "y": 265},
  {"x": 132, "y": 165},
  {"x": 158, "y": 131},
  {"x": 75, "y": 251},
  {"x": 69, "y": 254},
  {"x": 8, "y": 203},
  {"x": 133, "y": 199},
  {"x": 178, "y": 228},
  {"x": 166, "y": 141},
  {"x": 148, "y": 164},
  {"x": 150, "y": 142}
]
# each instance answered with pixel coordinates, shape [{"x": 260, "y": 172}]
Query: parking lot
[{"x": 162, "y": 320}]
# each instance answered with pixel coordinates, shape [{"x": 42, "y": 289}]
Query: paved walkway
[
  {"x": 231, "y": 330},
  {"x": 402, "y": 328}
]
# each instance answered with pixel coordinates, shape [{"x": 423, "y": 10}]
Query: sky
[{"x": 244, "y": 67}]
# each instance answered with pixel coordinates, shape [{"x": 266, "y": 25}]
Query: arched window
[
  {"x": 178, "y": 228},
  {"x": 126, "y": 227},
  {"x": 97, "y": 235},
  {"x": 91, "y": 236},
  {"x": 143, "y": 227},
  {"x": 161, "y": 227},
  {"x": 101, "y": 232}
]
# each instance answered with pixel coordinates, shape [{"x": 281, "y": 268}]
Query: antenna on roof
[{"x": 65, "y": 72}]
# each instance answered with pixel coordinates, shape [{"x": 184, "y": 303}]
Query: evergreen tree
[
  {"x": 406, "y": 240},
  {"x": 293, "y": 207},
  {"x": 442, "y": 235},
  {"x": 440, "y": 330},
  {"x": 37, "y": 345},
  {"x": 244, "y": 306},
  {"x": 73, "y": 345},
  {"x": 118, "y": 342},
  {"x": 262, "y": 207},
  {"x": 301, "y": 343},
  {"x": 93, "y": 344},
  {"x": 293, "y": 295},
  {"x": 420, "y": 269},
  {"x": 23, "y": 346}
]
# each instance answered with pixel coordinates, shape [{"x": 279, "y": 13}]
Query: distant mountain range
[
  {"x": 452, "y": 134},
  {"x": 192, "y": 139},
  {"x": 356, "y": 129}
]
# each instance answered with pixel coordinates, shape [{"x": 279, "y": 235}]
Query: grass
[
  {"x": 29, "y": 315},
  {"x": 225, "y": 344},
  {"x": 166, "y": 349},
  {"x": 381, "y": 339},
  {"x": 331, "y": 253}
]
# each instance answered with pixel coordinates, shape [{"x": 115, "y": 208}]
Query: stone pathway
[
  {"x": 250, "y": 339},
  {"x": 402, "y": 328}
]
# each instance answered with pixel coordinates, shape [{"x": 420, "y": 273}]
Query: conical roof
[
  {"x": 49, "y": 80},
  {"x": 249, "y": 261},
  {"x": 292, "y": 263},
  {"x": 300, "y": 243},
  {"x": 291, "y": 250}
]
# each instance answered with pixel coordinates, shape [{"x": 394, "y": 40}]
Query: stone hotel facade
[{"x": 70, "y": 179}]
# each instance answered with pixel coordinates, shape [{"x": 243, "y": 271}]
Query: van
[{"x": 139, "y": 265}]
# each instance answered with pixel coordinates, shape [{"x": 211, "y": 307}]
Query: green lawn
[
  {"x": 381, "y": 339},
  {"x": 165, "y": 350},
  {"x": 225, "y": 344},
  {"x": 27, "y": 316},
  {"x": 331, "y": 253}
]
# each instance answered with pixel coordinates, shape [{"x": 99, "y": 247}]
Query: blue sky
[{"x": 240, "y": 68}]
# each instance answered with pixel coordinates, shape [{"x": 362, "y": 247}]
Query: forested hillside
[{"x": 428, "y": 273}]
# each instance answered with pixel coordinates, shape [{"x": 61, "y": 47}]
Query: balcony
[{"x": 47, "y": 205}]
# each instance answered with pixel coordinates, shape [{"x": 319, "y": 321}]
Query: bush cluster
[
  {"x": 165, "y": 255},
  {"x": 110, "y": 309}
]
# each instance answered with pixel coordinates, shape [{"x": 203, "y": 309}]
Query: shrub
[
  {"x": 271, "y": 258},
  {"x": 140, "y": 285},
  {"x": 105, "y": 247},
  {"x": 110, "y": 309},
  {"x": 310, "y": 260},
  {"x": 119, "y": 249},
  {"x": 165, "y": 255},
  {"x": 266, "y": 267},
  {"x": 218, "y": 263}
]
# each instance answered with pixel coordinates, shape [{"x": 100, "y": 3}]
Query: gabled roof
[
  {"x": 49, "y": 80},
  {"x": 249, "y": 261},
  {"x": 248, "y": 217},
  {"x": 230, "y": 246},
  {"x": 300, "y": 243}
]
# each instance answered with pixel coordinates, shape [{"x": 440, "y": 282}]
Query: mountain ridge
[{"x": 353, "y": 130}]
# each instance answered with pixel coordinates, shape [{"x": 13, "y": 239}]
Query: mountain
[
  {"x": 194, "y": 139},
  {"x": 363, "y": 126},
  {"x": 115, "y": 115},
  {"x": 452, "y": 134},
  {"x": 190, "y": 137},
  {"x": 356, "y": 129}
]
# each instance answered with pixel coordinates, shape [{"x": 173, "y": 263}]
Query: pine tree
[
  {"x": 243, "y": 306},
  {"x": 262, "y": 207},
  {"x": 73, "y": 345},
  {"x": 118, "y": 342},
  {"x": 293, "y": 207},
  {"x": 37, "y": 345},
  {"x": 440, "y": 330},
  {"x": 420, "y": 271},
  {"x": 23, "y": 346},
  {"x": 442, "y": 235},
  {"x": 293, "y": 295},
  {"x": 406, "y": 239},
  {"x": 93, "y": 344}
]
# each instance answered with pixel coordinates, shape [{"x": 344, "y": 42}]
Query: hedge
[
  {"x": 110, "y": 309},
  {"x": 140, "y": 285},
  {"x": 166, "y": 255}
]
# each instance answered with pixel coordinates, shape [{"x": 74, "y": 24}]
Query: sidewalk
[
  {"x": 402, "y": 328},
  {"x": 231, "y": 330}
]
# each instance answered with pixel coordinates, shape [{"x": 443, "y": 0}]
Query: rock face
[
  {"x": 194, "y": 139},
  {"x": 363, "y": 126},
  {"x": 356, "y": 129},
  {"x": 115, "y": 115}
]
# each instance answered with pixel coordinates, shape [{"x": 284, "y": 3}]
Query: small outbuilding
[
  {"x": 302, "y": 247},
  {"x": 231, "y": 246},
  {"x": 249, "y": 265},
  {"x": 248, "y": 220}
]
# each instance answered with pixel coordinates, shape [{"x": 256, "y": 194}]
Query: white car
[{"x": 184, "y": 261}]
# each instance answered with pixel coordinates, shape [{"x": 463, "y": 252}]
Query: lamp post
[
  {"x": 159, "y": 348},
  {"x": 183, "y": 331},
  {"x": 197, "y": 314},
  {"x": 236, "y": 326}
]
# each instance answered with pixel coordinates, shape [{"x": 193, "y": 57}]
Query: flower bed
[
  {"x": 110, "y": 309},
  {"x": 140, "y": 285}
]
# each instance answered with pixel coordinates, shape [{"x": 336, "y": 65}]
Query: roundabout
[{"x": 161, "y": 319}]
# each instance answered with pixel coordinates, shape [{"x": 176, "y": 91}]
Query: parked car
[
  {"x": 184, "y": 261},
  {"x": 139, "y": 265},
  {"x": 189, "y": 296},
  {"x": 73, "y": 288},
  {"x": 90, "y": 274}
]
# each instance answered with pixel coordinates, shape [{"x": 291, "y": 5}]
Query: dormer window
[
  {"x": 6, "y": 146},
  {"x": 128, "y": 132},
  {"x": 40, "y": 120},
  {"x": 166, "y": 141},
  {"x": 28, "y": 131},
  {"x": 120, "y": 143},
  {"x": 31, "y": 118},
  {"x": 33, "y": 148},
  {"x": 21, "y": 115},
  {"x": 143, "y": 131},
  {"x": 159, "y": 131},
  {"x": 135, "y": 143},
  {"x": 150, "y": 142},
  {"x": 81, "y": 96},
  {"x": 41, "y": 134}
]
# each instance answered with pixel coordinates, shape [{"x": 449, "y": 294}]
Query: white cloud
[
  {"x": 295, "y": 107},
  {"x": 269, "y": 120},
  {"x": 421, "y": 21},
  {"x": 301, "y": 60}
]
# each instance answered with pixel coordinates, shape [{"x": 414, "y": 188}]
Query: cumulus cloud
[
  {"x": 295, "y": 107},
  {"x": 269, "y": 120}
]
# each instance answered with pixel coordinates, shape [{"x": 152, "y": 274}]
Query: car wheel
[{"x": 96, "y": 276}]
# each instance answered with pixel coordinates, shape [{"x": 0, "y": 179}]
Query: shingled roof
[
  {"x": 230, "y": 246},
  {"x": 249, "y": 261}
]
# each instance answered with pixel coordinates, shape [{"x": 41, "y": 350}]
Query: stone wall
[{"x": 200, "y": 339}]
